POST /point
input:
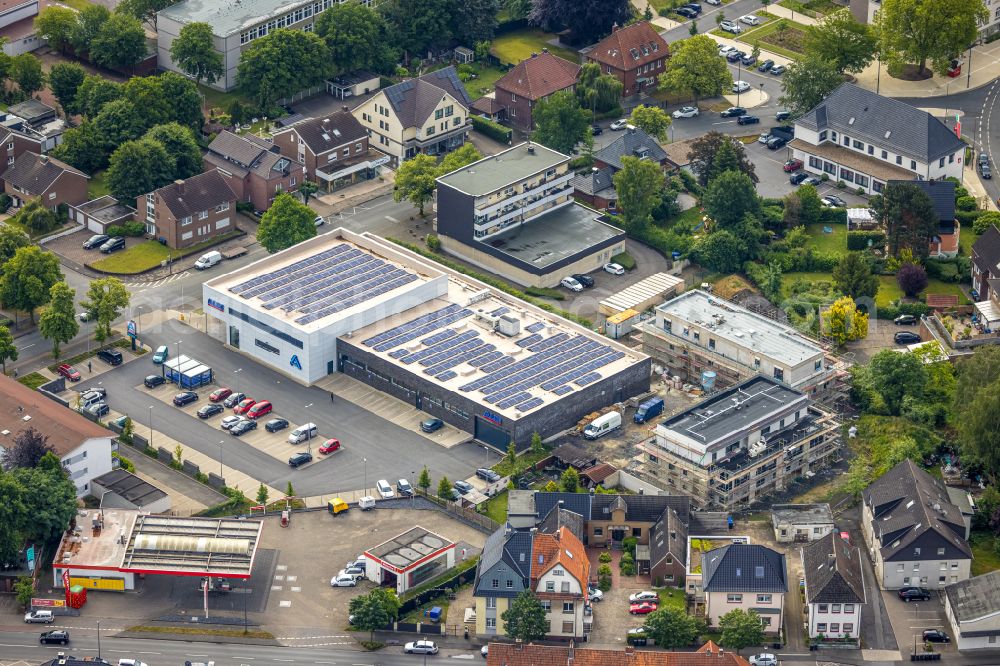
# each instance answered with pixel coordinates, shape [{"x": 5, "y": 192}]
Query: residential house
[
  {"x": 747, "y": 577},
  {"x": 636, "y": 55},
  {"x": 487, "y": 106},
  {"x": 36, "y": 121},
  {"x": 253, "y": 167},
  {"x": 943, "y": 244},
  {"x": 334, "y": 150},
  {"x": 986, "y": 265},
  {"x": 560, "y": 572},
  {"x": 973, "y": 609},
  {"x": 801, "y": 522},
  {"x": 531, "y": 81},
  {"x": 190, "y": 211},
  {"x": 834, "y": 588},
  {"x": 865, "y": 140},
  {"x": 503, "y": 572},
  {"x": 100, "y": 213},
  {"x": 52, "y": 181},
  {"x": 597, "y": 187},
  {"x": 914, "y": 533},
  {"x": 426, "y": 115},
  {"x": 518, "y": 654}
]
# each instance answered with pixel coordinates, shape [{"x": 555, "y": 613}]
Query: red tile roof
[
  {"x": 65, "y": 428},
  {"x": 563, "y": 548},
  {"x": 599, "y": 472},
  {"x": 631, "y": 47},
  {"x": 507, "y": 654},
  {"x": 540, "y": 75}
]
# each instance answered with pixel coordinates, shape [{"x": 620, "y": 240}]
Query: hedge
[
  {"x": 128, "y": 229},
  {"x": 967, "y": 218},
  {"x": 859, "y": 240},
  {"x": 494, "y": 130},
  {"x": 833, "y": 216},
  {"x": 950, "y": 270},
  {"x": 893, "y": 311}
]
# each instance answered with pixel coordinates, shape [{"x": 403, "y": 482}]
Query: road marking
[
  {"x": 26, "y": 347},
  {"x": 284, "y": 604},
  {"x": 276, "y": 659},
  {"x": 725, "y": 122},
  {"x": 462, "y": 656},
  {"x": 391, "y": 219}
]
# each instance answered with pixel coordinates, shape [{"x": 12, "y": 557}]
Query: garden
[
  {"x": 816, "y": 9},
  {"x": 151, "y": 254},
  {"x": 513, "y": 47},
  {"x": 783, "y": 37}
]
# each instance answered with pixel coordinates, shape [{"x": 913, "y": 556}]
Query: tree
[
  {"x": 706, "y": 148},
  {"x": 119, "y": 121},
  {"x": 195, "y": 54},
  {"x": 94, "y": 93},
  {"x": 307, "y": 188},
  {"x": 444, "y": 488},
  {"x": 843, "y": 322},
  {"x": 807, "y": 81},
  {"x": 56, "y": 24},
  {"x": 12, "y": 517},
  {"x": 11, "y": 238},
  {"x": 424, "y": 480},
  {"x": 415, "y": 181},
  {"x": 26, "y": 72},
  {"x": 65, "y": 79},
  {"x": 511, "y": 455},
  {"x": 58, "y": 321},
  {"x": 371, "y": 611},
  {"x": 474, "y": 20},
  {"x": 896, "y": 376},
  {"x": 458, "y": 158},
  {"x": 286, "y": 223},
  {"x": 979, "y": 425},
  {"x": 588, "y": 20},
  {"x": 144, "y": 10},
  {"x": 137, "y": 167},
  {"x": 29, "y": 448},
  {"x": 673, "y": 628},
  {"x": 692, "y": 29},
  {"x": 27, "y": 279},
  {"x": 811, "y": 206},
  {"x": 695, "y": 67},
  {"x": 525, "y": 618},
  {"x": 90, "y": 20},
  {"x": 36, "y": 218},
  {"x": 357, "y": 38},
  {"x": 262, "y": 494},
  {"x": 740, "y": 629},
  {"x": 728, "y": 198},
  {"x": 911, "y": 278},
  {"x": 50, "y": 493},
  {"x": 720, "y": 251},
  {"x": 907, "y": 214},
  {"x": 921, "y": 30},
  {"x": 281, "y": 64},
  {"x": 106, "y": 298},
  {"x": 82, "y": 147},
  {"x": 986, "y": 219},
  {"x": 537, "y": 447},
  {"x": 181, "y": 93},
  {"x": 596, "y": 91},
  {"x": 179, "y": 142},
  {"x": 560, "y": 123},
  {"x": 120, "y": 43},
  {"x": 843, "y": 41},
  {"x": 639, "y": 184},
  {"x": 24, "y": 590},
  {"x": 416, "y": 26},
  {"x": 853, "y": 277},
  {"x": 8, "y": 350},
  {"x": 569, "y": 482},
  {"x": 652, "y": 120}
]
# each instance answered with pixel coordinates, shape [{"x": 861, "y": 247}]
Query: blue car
[{"x": 160, "y": 355}]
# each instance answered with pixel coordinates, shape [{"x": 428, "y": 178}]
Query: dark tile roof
[
  {"x": 514, "y": 550},
  {"x": 942, "y": 195},
  {"x": 744, "y": 568},
  {"x": 35, "y": 173},
  {"x": 668, "y": 537},
  {"x": 975, "y": 598},
  {"x": 833, "y": 571},
  {"x": 202, "y": 192},
  {"x": 488, "y": 105},
  {"x": 594, "y": 181},
  {"x": 883, "y": 121},
  {"x": 599, "y": 472},
  {"x": 575, "y": 502},
  {"x": 539, "y": 76},
  {"x": 558, "y": 518},
  {"x": 414, "y": 100},
  {"x": 632, "y": 143},
  {"x": 630, "y": 47},
  {"x": 236, "y": 149},
  {"x": 986, "y": 251},
  {"x": 330, "y": 132},
  {"x": 574, "y": 456},
  {"x": 641, "y": 508}
]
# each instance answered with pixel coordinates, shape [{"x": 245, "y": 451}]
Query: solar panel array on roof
[
  {"x": 416, "y": 328},
  {"x": 535, "y": 328}
]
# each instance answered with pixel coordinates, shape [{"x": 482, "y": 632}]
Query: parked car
[
  {"x": 229, "y": 421},
  {"x": 693, "y": 5},
  {"x": 985, "y": 171},
  {"x": 984, "y": 159},
  {"x": 404, "y": 488},
  {"x": 620, "y": 124},
  {"x": 69, "y": 372},
  {"x": 764, "y": 659},
  {"x": 274, "y": 425},
  {"x": 645, "y": 595},
  {"x": 740, "y": 86},
  {"x": 764, "y": 138},
  {"x": 731, "y": 26},
  {"x": 776, "y": 142},
  {"x": 210, "y": 410},
  {"x": 715, "y": 3},
  {"x": 778, "y": 70},
  {"x": 185, "y": 398},
  {"x": 792, "y": 165},
  {"x": 614, "y": 269},
  {"x": 750, "y": 19},
  {"x": 913, "y": 593},
  {"x": 935, "y": 636},
  {"x": 244, "y": 426},
  {"x": 244, "y": 406},
  {"x": 161, "y": 354},
  {"x": 39, "y": 617},
  {"x": 319, "y": 221},
  {"x": 421, "y": 647},
  {"x": 748, "y": 60},
  {"x": 782, "y": 116},
  {"x": 97, "y": 409},
  {"x": 797, "y": 177},
  {"x": 686, "y": 112},
  {"x": 357, "y": 572},
  {"x": 463, "y": 487},
  {"x": 300, "y": 459},
  {"x": 642, "y": 608},
  {"x": 340, "y": 580},
  {"x": 220, "y": 394},
  {"x": 234, "y": 399},
  {"x": 571, "y": 284},
  {"x": 905, "y": 320},
  {"x": 748, "y": 120},
  {"x": 726, "y": 49},
  {"x": 596, "y": 130},
  {"x": 833, "y": 201},
  {"x": 487, "y": 475},
  {"x": 110, "y": 356},
  {"x": 384, "y": 490},
  {"x": 431, "y": 425},
  {"x": 96, "y": 240},
  {"x": 812, "y": 180},
  {"x": 735, "y": 56},
  {"x": 595, "y": 594},
  {"x": 260, "y": 409},
  {"x": 112, "y": 244},
  {"x": 485, "y": 650},
  {"x": 585, "y": 280},
  {"x": 766, "y": 66},
  {"x": 330, "y": 446},
  {"x": 58, "y": 636},
  {"x": 686, "y": 12},
  {"x": 734, "y": 112}
]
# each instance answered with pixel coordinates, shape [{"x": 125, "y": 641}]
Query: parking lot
[
  {"x": 910, "y": 619},
  {"x": 774, "y": 181}
]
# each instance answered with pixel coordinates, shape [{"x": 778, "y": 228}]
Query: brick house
[
  {"x": 533, "y": 79},
  {"x": 636, "y": 55},
  {"x": 189, "y": 211},
  {"x": 943, "y": 243},
  {"x": 333, "y": 149},
  {"x": 40, "y": 176},
  {"x": 597, "y": 187},
  {"x": 255, "y": 170},
  {"x": 986, "y": 265}
]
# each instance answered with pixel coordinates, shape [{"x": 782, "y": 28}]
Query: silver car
[{"x": 421, "y": 647}]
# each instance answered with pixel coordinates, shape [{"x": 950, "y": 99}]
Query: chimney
[
  {"x": 571, "y": 653},
  {"x": 614, "y": 28},
  {"x": 180, "y": 186},
  {"x": 518, "y": 645},
  {"x": 326, "y": 121},
  {"x": 545, "y": 50},
  {"x": 557, "y": 535},
  {"x": 534, "y": 55},
  {"x": 831, "y": 560},
  {"x": 629, "y": 650}
]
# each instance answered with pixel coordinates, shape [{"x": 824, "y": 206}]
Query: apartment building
[
  {"x": 502, "y": 573},
  {"x": 747, "y": 577},
  {"x": 254, "y": 169},
  {"x": 560, "y": 571},
  {"x": 834, "y": 588},
  {"x": 189, "y": 211},
  {"x": 741, "y": 444},
  {"x": 636, "y": 55},
  {"x": 513, "y": 213}
]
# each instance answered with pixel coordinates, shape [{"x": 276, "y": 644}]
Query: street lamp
[
  {"x": 220, "y": 458},
  {"x": 98, "y": 639},
  {"x": 309, "y": 433},
  {"x": 365, "y": 462},
  {"x": 739, "y": 73},
  {"x": 236, "y": 373},
  {"x": 487, "y": 460},
  {"x": 150, "y": 426},
  {"x": 178, "y": 348}
]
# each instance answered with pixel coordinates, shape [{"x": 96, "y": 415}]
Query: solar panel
[
  {"x": 500, "y": 311},
  {"x": 562, "y": 390},
  {"x": 530, "y": 340},
  {"x": 438, "y": 337},
  {"x": 275, "y": 275},
  {"x": 417, "y": 328},
  {"x": 530, "y": 404},
  {"x": 445, "y": 376},
  {"x": 588, "y": 379},
  {"x": 486, "y": 358},
  {"x": 513, "y": 400},
  {"x": 535, "y": 328}
]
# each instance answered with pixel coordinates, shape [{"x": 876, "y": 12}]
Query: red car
[
  {"x": 259, "y": 409},
  {"x": 244, "y": 406},
  {"x": 218, "y": 395},
  {"x": 792, "y": 165},
  {"x": 329, "y": 446},
  {"x": 69, "y": 372},
  {"x": 642, "y": 608}
]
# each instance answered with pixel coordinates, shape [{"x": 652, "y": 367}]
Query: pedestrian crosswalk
[{"x": 157, "y": 283}]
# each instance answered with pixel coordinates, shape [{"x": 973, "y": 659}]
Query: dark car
[
  {"x": 734, "y": 112},
  {"x": 833, "y": 201},
  {"x": 797, "y": 178},
  {"x": 596, "y": 129},
  {"x": 906, "y": 338},
  {"x": 748, "y": 120},
  {"x": 686, "y": 12},
  {"x": 693, "y": 5},
  {"x": 185, "y": 398},
  {"x": 776, "y": 142},
  {"x": 110, "y": 356},
  {"x": 913, "y": 593},
  {"x": 300, "y": 459},
  {"x": 905, "y": 320},
  {"x": 113, "y": 244},
  {"x": 246, "y": 425},
  {"x": 210, "y": 410},
  {"x": 735, "y": 55},
  {"x": 935, "y": 636},
  {"x": 96, "y": 240},
  {"x": 782, "y": 116},
  {"x": 152, "y": 381},
  {"x": 748, "y": 60},
  {"x": 585, "y": 280},
  {"x": 431, "y": 425},
  {"x": 985, "y": 171},
  {"x": 274, "y": 425},
  {"x": 58, "y": 636},
  {"x": 812, "y": 180},
  {"x": 778, "y": 70},
  {"x": 487, "y": 475},
  {"x": 234, "y": 399},
  {"x": 766, "y": 66},
  {"x": 463, "y": 487}
]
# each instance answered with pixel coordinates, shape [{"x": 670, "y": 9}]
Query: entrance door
[
  {"x": 491, "y": 434},
  {"x": 234, "y": 337},
  {"x": 418, "y": 401},
  {"x": 617, "y": 535}
]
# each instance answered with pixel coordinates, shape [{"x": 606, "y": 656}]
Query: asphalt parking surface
[
  {"x": 909, "y": 620},
  {"x": 774, "y": 181}
]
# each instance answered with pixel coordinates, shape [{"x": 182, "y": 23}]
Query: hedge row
[
  {"x": 494, "y": 130},
  {"x": 859, "y": 240},
  {"x": 893, "y": 311}
]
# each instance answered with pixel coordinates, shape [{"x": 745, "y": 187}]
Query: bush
[
  {"x": 841, "y": 185},
  {"x": 858, "y": 240},
  {"x": 62, "y": 213},
  {"x": 968, "y": 218},
  {"x": 244, "y": 207},
  {"x": 627, "y": 564},
  {"x": 629, "y": 544},
  {"x": 494, "y": 130},
  {"x": 966, "y": 203},
  {"x": 5, "y": 203},
  {"x": 581, "y": 162},
  {"x": 625, "y": 260},
  {"x": 894, "y": 310},
  {"x": 433, "y": 243},
  {"x": 131, "y": 229},
  {"x": 605, "y": 557},
  {"x": 833, "y": 216},
  {"x": 985, "y": 221},
  {"x": 545, "y": 292},
  {"x": 943, "y": 269},
  {"x": 690, "y": 183}
]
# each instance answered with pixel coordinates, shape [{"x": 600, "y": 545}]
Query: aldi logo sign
[
  {"x": 216, "y": 304},
  {"x": 493, "y": 418},
  {"x": 294, "y": 362}
]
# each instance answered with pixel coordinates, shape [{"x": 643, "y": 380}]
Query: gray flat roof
[
  {"x": 410, "y": 547},
  {"x": 742, "y": 327},
  {"x": 802, "y": 513},
  {"x": 554, "y": 236},
  {"x": 130, "y": 487},
  {"x": 975, "y": 598},
  {"x": 512, "y": 165},
  {"x": 229, "y": 16}
]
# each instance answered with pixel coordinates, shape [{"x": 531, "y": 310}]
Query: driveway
[
  {"x": 611, "y": 617},
  {"x": 774, "y": 181},
  {"x": 910, "y": 619}
]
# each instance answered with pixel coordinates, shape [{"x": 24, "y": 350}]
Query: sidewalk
[
  {"x": 971, "y": 182},
  {"x": 985, "y": 62},
  {"x": 785, "y": 12}
]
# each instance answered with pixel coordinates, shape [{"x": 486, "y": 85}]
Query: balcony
[
  {"x": 533, "y": 204},
  {"x": 560, "y": 183}
]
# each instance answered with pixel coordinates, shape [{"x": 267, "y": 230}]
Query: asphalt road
[
  {"x": 707, "y": 21},
  {"x": 981, "y": 121}
]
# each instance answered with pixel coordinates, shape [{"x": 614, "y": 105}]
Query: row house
[
  {"x": 187, "y": 212},
  {"x": 253, "y": 167}
]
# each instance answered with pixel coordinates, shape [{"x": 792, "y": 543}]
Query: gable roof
[
  {"x": 975, "y": 598},
  {"x": 563, "y": 548},
  {"x": 986, "y": 251},
  {"x": 517, "y": 654},
  {"x": 633, "y": 142},
  {"x": 640, "y": 508},
  {"x": 668, "y": 537},
  {"x": 511, "y": 548},
  {"x": 202, "y": 192},
  {"x": 941, "y": 194},
  {"x": 35, "y": 173},
  {"x": 883, "y": 121},
  {"x": 414, "y": 100},
  {"x": 539, "y": 76},
  {"x": 247, "y": 154},
  {"x": 744, "y": 568},
  {"x": 329, "y": 132},
  {"x": 630, "y": 47},
  {"x": 65, "y": 428},
  {"x": 833, "y": 571},
  {"x": 594, "y": 181}
]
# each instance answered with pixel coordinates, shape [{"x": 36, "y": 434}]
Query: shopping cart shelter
[{"x": 187, "y": 372}]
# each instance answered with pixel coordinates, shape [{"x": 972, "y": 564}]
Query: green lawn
[
  {"x": 789, "y": 278},
  {"x": 966, "y": 239},
  {"x": 813, "y": 8},
  {"x": 516, "y": 46},
  {"x": 486, "y": 78},
  {"x": 984, "y": 558},
  {"x": 97, "y": 186},
  {"x": 889, "y": 291},
  {"x": 833, "y": 243},
  {"x": 525, "y": 460},
  {"x": 148, "y": 255},
  {"x": 496, "y": 507},
  {"x": 33, "y": 380},
  {"x": 673, "y": 598},
  {"x": 783, "y": 37}
]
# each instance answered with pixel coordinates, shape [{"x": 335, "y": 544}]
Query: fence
[
  {"x": 449, "y": 583},
  {"x": 465, "y": 514}
]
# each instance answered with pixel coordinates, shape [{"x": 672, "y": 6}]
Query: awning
[{"x": 988, "y": 311}]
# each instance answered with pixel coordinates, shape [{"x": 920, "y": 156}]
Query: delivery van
[
  {"x": 602, "y": 425},
  {"x": 649, "y": 409},
  {"x": 208, "y": 260}
]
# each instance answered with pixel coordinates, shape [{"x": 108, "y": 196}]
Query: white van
[
  {"x": 208, "y": 260},
  {"x": 302, "y": 433},
  {"x": 90, "y": 398},
  {"x": 602, "y": 425}
]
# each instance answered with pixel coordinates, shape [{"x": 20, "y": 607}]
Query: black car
[
  {"x": 58, "y": 636},
  {"x": 185, "y": 398},
  {"x": 98, "y": 409},
  {"x": 778, "y": 70},
  {"x": 686, "y": 12},
  {"x": 905, "y": 320},
  {"x": 110, "y": 356},
  {"x": 748, "y": 120},
  {"x": 734, "y": 111},
  {"x": 812, "y": 180},
  {"x": 210, "y": 410},
  {"x": 797, "y": 178},
  {"x": 596, "y": 129},
  {"x": 95, "y": 241},
  {"x": 906, "y": 338},
  {"x": 585, "y": 280},
  {"x": 431, "y": 425},
  {"x": 766, "y": 66},
  {"x": 234, "y": 399},
  {"x": 152, "y": 381},
  {"x": 748, "y": 60},
  {"x": 935, "y": 636},
  {"x": 300, "y": 459},
  {"x": 487, "y": 475},
  {"x": 833, "y": 201},
  {"x": 781, "y": 116},
  {"x": 113, "y": 244},
  {"x": 776, "y": 142},
  {"x": 274, "y": 425},
  {"x": 694, "y": 5},
  {"x": 244, "y": 426},
  {"x": 914, "y": 593},
  {"x": 735, "y": 55}
]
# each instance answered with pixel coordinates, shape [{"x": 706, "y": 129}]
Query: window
[
  {"x": 942, "y": 579},
  {"x": 734, "y": 598},
  {"x": 10, "y": 146},
  {"x": 567, "y": 607},
  {"x": 496, "y": 583},
  {"x": 546, "y": 605},
  {"x": 358, "y": 148},
  {"x": 835, "y": 608},
  {"x": 824, "y": 608},
  {"x": 885, "y": 154},
  {"x": 858, "y": 145},
  {"x": 185, "y": 220},
  {"x": 834, "y": 627},
  {"x": 951, "y": 159},
  {"x": 848, "y": 627},
  {"x": 779, "y": 374},
  {"x": 954, "y": 565},
  {"x": 817, "y": 366},
  {"x": 822, "y": 135},
  {"x": 439, "y": 114},
  {"x": 564, "y": 587},
  {"x": 567, "y": 627},
  {"x": 52, "y": 196},
  {"x": 916, "y": 567},
  {"x": 711, "y": 343},
  {"x": 550, "y": 586},
  {"x": 430, "y": 130},
  {"x": 913, "y": 164},
  {"x": 847, "y": 141},
  {"x": 944, "y": 566},
  {"x": 899, "y": 159},
  {"x": 697, "y": 335},
  {"x": 203, "y": 215},
  {"x": 848, "y": 608},
  {"x": 763, "y": 598},
  {"x": 941, "y": 162},
  {"x": 598, "y": 531},
  {"x": 449, "y": 110},
  {"x": 940, "y": 551},
  {"x": 637, "y": 532},
  {"x": 491, "y": 602},
  {"x": 346, "y": 152},
  {"x": 871, "y": 149},
  {"x": 223, "y": 207},
  {"x": 491, "y": 623},
  {"x": 765, "y": 622},
  {"x": 510, "y": 584},
  {"x": 821, "y": 627}
]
